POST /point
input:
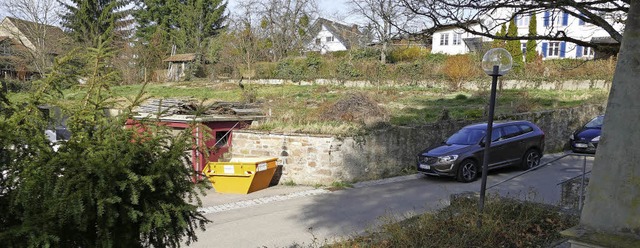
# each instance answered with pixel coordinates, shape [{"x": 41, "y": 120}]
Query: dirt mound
[{"x": 355, "y": 107}]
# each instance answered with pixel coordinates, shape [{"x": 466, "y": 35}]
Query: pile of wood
[{"x": 185, "y": 107}]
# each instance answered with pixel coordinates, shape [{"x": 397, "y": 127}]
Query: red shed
[{"x": 213, "y": 131}]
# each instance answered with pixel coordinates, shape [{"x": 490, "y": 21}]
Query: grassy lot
[{"x": 345, "y": 111}]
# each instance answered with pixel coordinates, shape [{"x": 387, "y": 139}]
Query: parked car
[
  {"x": 461, "y": 155},
  {"x": 586, "y": 138}
]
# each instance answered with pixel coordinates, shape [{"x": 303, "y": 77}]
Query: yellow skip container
[{"x": 241, "y": 175}]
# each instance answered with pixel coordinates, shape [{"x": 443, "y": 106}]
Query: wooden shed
[{"x": 179, "y": 65}]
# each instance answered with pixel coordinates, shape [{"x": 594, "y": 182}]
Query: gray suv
[{"x": 519, "y": 143}]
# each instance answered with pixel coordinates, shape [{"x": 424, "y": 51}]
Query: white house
[
  {"x": 453, "y": 40},
  {"x": 329, "y": 36},
  {"x": 450, "y": 40}
]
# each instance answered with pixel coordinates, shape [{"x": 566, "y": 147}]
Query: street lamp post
[{"x": 496, "y": 62}]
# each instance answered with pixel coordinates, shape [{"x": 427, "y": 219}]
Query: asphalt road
[{"x": 299, "y": 215}]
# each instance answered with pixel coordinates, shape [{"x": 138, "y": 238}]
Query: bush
[
  {"x": 345, "y": 71},
  {"x": 407, "y": 54},
  {"x": 290, "y": 68},
  {"x": 265, "y": 70},
  {"x": 366, "y": 53},
  {"x": 459, "y": 68}
]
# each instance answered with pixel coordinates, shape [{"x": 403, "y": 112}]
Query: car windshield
[
  {"x": 595, "y": 123},
  {"x": 466, "y": 136}
]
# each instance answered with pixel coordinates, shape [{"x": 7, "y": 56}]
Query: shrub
[
  {"x": 265, "y": 69},
  {"x": 407, "y": 54},
  {"x": 366, "y": 53},
  {"x": 436, "y": 58},
  {"x": 290, "y": 68},
  {"x": 345, "y": 70},
  {"x": 459, "y": 68},
  {"x": 461, "y": 97}
]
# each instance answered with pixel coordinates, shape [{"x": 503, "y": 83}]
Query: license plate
[
  {"x": 581, "y": 145},
  {"x": 424, "y": 166}
]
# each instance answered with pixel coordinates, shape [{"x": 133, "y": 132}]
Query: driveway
[{"x": 282, "y": 216}]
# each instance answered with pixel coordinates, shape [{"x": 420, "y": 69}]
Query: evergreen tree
[
  {"x": 89, "y": 21},
  {"x": 501, "y": 33},
  {"x": 107, "y": 186},
  {"x": 531, "y": 44},
  {"x": 188, "y": 24},
  {"x": 513, "y": 46}
]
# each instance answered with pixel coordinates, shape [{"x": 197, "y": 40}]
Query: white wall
[
  {"x": 571, "y": 26},
  {"x": 325, "y": 46},
  {"x": 443, "y": 41}
]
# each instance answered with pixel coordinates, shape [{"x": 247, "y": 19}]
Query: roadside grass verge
[{"x": 506, "y": 223}]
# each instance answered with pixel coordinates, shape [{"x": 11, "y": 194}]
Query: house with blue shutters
[{"x": 554, "y": 22}]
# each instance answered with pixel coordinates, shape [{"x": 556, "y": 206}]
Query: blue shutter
[
  {"x": 578, "y": 51},
  {"x": 515, "y": 20},
  {"x": 563, "y": 48},
  {"x": 565, "y": 19},
  {"x": 544, "y": 49},
  {"x": 545, "y": 20}
]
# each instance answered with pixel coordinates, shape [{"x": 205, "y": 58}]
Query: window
[
  {"x": 523, "y": 47},
  {"x": 510, "y": 131},
  {"x": 554, "y": 49},
  {"x": 496, "y": 134},
  {"x": 457, "y": 39},
  {"x": 526, "y": 128},
  {"x": 329, "y": 38},
  {"x": 318, "y": 41},
  {"x": 587, "y": 51},
  {"x": 522, "y": 20},
  {"x": 444, "y": 39},
  {"x": 222, "y": 138}
]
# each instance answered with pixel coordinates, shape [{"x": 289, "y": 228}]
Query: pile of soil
[{"x": 355, "y": 107}]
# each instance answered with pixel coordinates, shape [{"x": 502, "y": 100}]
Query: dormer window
[{"x": 329, "y": 38}]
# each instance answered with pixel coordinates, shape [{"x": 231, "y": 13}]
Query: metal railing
[{"x": 583, "y": 174}]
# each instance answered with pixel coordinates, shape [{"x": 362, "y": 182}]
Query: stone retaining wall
[{"x": 321, "y": 159}]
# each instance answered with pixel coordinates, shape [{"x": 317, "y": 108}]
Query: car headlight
[
  {"x": 447, "y": 159},
  {"x": 596, "y": 139},
  {"x": 571, "y": 137}
]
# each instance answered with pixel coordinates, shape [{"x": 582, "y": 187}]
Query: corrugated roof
[{"x": 185, "y": 57}]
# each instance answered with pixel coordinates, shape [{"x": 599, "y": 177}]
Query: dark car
[
  {"x": 586, "y": 139},
  {"x": 461, "y": 155}
]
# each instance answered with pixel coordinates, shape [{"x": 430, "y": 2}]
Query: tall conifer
[
  {"x": 513, "y": 46},
  {"x": 531, "y": 44}
]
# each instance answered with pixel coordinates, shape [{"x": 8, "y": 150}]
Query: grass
[
  {"x": 506, "y": 223},
  {"x": 301, "y": 109}
]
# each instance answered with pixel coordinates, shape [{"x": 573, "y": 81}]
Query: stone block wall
[{"x": 321, "y": 159}]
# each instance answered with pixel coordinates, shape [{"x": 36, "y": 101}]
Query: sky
[{"x": 336, "y": 10}]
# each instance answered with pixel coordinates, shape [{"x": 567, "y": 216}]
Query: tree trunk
[
  {"x": 383, "y": 53},
  {"x": 613, "y": 199}
]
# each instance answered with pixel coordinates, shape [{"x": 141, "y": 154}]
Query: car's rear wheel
[
  {"x": 467, "y": 171},
  {"x": 530, "y": 159}
]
